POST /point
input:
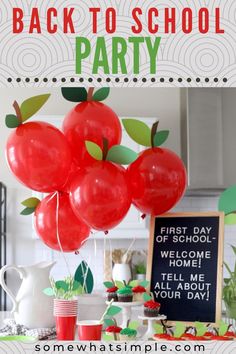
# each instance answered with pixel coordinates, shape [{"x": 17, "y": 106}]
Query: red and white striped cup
[{"x": 65, "y": 312}]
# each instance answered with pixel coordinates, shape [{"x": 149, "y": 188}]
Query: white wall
[{"x": 161, "y": 103}]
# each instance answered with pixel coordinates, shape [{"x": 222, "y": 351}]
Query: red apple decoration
[
  {"x": 101, "y": 197},
  {"x": 90, "y": 120},
  {"x": 72, "y": 231},
  {"x": 158, "y": 176},
  {"x": 38, "y": 154}
]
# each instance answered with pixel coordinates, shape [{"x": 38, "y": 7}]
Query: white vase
[{"x": 121, "y": 272}]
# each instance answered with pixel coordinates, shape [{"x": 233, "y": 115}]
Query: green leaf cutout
[
  {"x": 121, "y": 155},
  {"x": 94, "y": 150},
  {"x": 101, "y": 94},
  {"x": 113, "y": 310},
  {"x": 27, "y": 211},
  {"x": 31, "y": 202},
  {"x": 108, "y": 284},
  {"x": 12, "y": 121},
  {"x": 119, "y": 284},
  {"x": 107, "y": 337},
  {"x": 179, "y": 329},
  {"x": 227, "y": 201},
  {"x": 138, "y": 131},
  {"x": 200, "y": 328},
  {"x": 76, "y": 285},
  {"x": 134, "y": 325},
  {"x": 147, "y": 297},
  {"x": 61, "y": 284},
  {"x": 223, "y": 328},
  {"x": 230, "y": 219},
  {"x": 159, "y": 329},
  {"x": 160, "y": 137},
  {"x": 48, "y": 292},
  {"x": 145, "y": 283},
  {"x": 134, "y": 283},
  {"x": 109, "y": 322},
  {"x": 74, "y": 94},
  {"x": 84, "y": 276},
  {"x": 32, "y": 105}
]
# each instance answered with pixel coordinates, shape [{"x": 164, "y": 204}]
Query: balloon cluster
[{"x": 81, "y": 167}]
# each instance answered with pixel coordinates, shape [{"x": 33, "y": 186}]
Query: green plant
[
  {"x": 65, "y": 289},
  {"x": 229, "y": 290},
  {"x": 140, "y": 268}
]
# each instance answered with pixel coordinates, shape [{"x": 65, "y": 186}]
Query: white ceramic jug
[{"x": 31, "y": 307}]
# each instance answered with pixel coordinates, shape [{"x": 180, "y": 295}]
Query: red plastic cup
[
  {"x": 65, "y": 312},
  {"x": 66, "y": 327},
  {"x": 89, "y": 330}
]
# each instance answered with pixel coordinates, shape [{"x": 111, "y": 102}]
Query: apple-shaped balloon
[
  {"x": 58, "y": 226},
  {"x": 89, "y": 120},
  {"x": 101, "y": 196},
  {"x": 158, "y": 176},
  {"x": 38, "y": 153}
]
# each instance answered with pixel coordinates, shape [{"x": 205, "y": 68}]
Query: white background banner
[{"x": 197, "y": 43}]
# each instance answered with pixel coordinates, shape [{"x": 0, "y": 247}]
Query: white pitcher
[{"x": 31, "y": 307}]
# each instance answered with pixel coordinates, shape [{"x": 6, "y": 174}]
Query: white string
[{"x": 57, "y": 232}]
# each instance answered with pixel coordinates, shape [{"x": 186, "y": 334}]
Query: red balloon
[
  {"x": 158, "y": 180},
  {"x": 39, "y": 156},
  {"x": 71, "y": 229},
  {"x": 101, "y": 196},
  {"x": 91, "y": 121}
]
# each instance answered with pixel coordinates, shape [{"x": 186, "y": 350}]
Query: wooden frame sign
[{"x": 185, "y": 264}]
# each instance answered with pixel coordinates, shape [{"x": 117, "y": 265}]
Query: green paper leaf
[
  {"x": 74, "y": 94},
  {"x": 109, "y": 322},
  {"x": 121, "y": 155},
  {"x": 101, "y": 94},
  {"x": 119, "y": 284},
  {"x": 230, "y": 219},
  {"x": 138, "y": 131},
  {"x": 200, "y": 328},
  {"x": 234, "y": 249},
  {"x": 108, "y": 284},
  {"x": 113, "y": 310},
  {"x": 134, "y": 325},
  {"x": 31, "y": 202},
  {"x": 48, "y": 292},
  {"x": 146, "y": 297},
  {"x": 160, "y": 137},
  {"x": 179, "y": 329},
  {"x": 159, "y": 329},
  {"x": 76, "y": 285},
  {"x": 32, "y": 105},
  {"x": 227, "y": 201},
  {"x": 223, "y": 328},
  {"x": 134, "y": 283},
  {"x": 145, "y": 283},
  {"x": 107, "y": 337},
  {"x": 61, "y": 284},
  {"x": 84, "y": 276},
  {"x": 94, "y": 150},
  {"x": 12, "y": 121},
  {"x": 27, "y": 211}
]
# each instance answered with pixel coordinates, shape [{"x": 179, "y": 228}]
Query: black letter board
[{"x": 185, "y": 264}]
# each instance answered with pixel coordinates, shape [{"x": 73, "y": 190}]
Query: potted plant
[
  {"x": 229, "y": 290},
  {"x": 140, "y": 271},
  {"x": 65, "y": 307}
]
